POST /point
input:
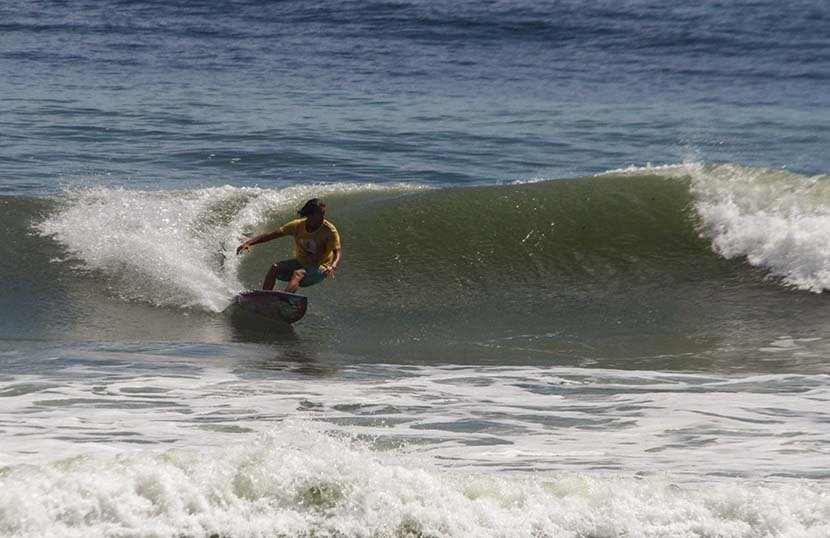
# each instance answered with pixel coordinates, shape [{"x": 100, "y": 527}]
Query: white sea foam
[
  {"x": 775, "y": 219},
  {"x": 172, "y": 248},
  {"x": 667, "y": 170},
  {"x": 506, "y": 419},
  {"x": 131, "y": 450},
  {"x": 298, "y": 481}
]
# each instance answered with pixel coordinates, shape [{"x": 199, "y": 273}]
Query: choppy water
[{"x": 535, "y": 331}]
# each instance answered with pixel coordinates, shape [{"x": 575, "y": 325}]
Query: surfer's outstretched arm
[{"x": 262, "y": 238}]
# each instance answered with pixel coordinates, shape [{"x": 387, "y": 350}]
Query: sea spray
[
  {"x": 172, "y": 248},
  {"x": 153, "y": 247}
]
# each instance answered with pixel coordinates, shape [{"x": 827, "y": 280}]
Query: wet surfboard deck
[{"x": 277, "y": 305}]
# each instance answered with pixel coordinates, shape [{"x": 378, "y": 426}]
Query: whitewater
[{"x": 401, "y": 451}]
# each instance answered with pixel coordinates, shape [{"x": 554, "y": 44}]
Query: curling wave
[{"x": 176, "y": 248}]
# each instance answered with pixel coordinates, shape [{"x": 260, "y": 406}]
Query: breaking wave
[{"x": 177, "y": 248}]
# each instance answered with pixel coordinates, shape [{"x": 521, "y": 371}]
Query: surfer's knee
[{"x": 299, "y": 274}]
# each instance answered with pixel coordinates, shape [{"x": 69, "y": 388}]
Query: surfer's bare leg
[
  {"x": 296, "y": 278},
  {"x": 271, "y": 277}
]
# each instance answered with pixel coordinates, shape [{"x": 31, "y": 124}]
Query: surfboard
[{"x": 277, "y": 305}]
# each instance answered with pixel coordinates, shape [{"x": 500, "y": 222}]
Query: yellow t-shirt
[{"x": 313, "y": 248}]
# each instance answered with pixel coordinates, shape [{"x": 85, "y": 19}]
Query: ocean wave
[{"x": 176, "y": 248}]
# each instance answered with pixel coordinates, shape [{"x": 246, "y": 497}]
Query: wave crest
[{"x": 774, "y": 219}]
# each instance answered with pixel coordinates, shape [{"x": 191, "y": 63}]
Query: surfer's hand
[
  {"x": 330, "y": 271},
  {"x": 243, "y": 246}
]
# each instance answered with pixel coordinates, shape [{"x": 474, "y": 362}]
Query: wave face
[
  {"x": 668, "y": 255},
  {"x": 175, "y": 248}
]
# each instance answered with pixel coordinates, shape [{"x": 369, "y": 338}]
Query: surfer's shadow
[
  {"x": 297, "y": 362},
  {"x": 292, "y": 354},
  {"x": 251, "y": 328}
]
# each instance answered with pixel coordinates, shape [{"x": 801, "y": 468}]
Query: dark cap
[{"x": 311, "y": 207}]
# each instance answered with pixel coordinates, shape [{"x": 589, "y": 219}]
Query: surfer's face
[{"x": 318, "y": 215}]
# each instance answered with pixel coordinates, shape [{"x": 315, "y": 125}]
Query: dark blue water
[{"x": 203, "y": 93}]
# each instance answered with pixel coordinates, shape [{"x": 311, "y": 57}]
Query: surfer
[{"x": 316, "y": 249}]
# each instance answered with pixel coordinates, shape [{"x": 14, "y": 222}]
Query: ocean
[{"x": 586, "y": 257}]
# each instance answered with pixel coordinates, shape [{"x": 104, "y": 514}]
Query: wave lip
[{"x": 774, "y": 219}]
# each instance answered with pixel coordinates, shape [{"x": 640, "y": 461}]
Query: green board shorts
[{"x": 314, "y": 274}]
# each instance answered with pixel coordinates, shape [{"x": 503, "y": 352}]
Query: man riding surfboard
[{"x": 316, "y": 249}]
